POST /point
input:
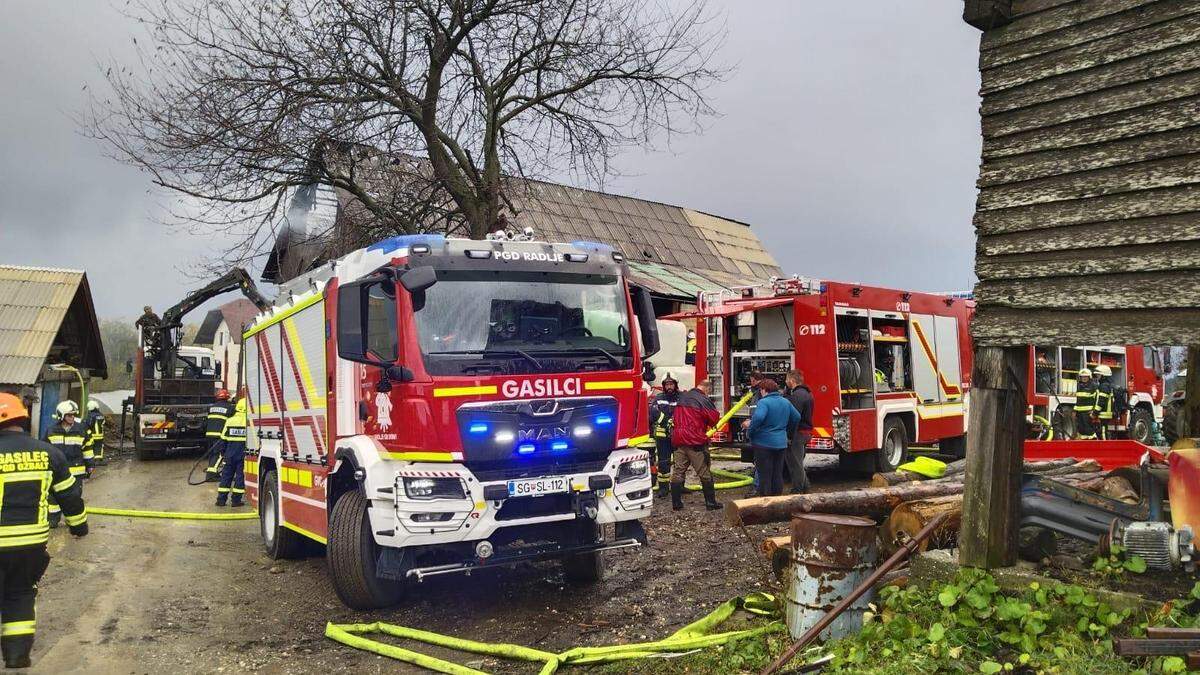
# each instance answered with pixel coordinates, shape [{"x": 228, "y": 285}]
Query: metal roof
[{"x": 34, "y": 301}]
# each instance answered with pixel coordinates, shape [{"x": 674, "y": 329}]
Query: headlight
[
  {"x": 638, "y": 468},
  {"x": 433, "y": 488}
]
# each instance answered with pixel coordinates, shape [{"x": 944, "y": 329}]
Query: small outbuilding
[{"x": 50, "y": 344}]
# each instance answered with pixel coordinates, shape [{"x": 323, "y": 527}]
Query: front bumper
[{"x": 399, "y": 521}]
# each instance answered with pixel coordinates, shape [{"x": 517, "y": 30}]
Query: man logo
[{"x": 541, "y": 433}]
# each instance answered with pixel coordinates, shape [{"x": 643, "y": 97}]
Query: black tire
[
  {"x": 585, "y": 568},
  {"x": 1141, "y": 426},
  {"x": 955, "y": 447},
  {"x": 144, "y": 451},
  {"x": 353, "y": 556},
  {"x": 1172, "y": 423},
  {"x": 1063, "y": 423},
  {"x": 280, "y": 542},
  {"x": 895, "y": 446}
]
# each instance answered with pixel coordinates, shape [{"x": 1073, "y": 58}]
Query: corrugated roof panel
[{"x": 33, "y": 302}]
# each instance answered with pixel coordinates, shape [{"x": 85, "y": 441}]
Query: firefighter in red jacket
[{"x": 694, "y": 415}]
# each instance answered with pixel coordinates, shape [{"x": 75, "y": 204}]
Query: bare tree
[{"x": 417, "y": 109}]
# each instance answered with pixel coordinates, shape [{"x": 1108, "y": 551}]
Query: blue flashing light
[
  {"x": 526, "y": 449},
  {"x": 592, "y": 246},
  {"x": 406, "y": 240},
  {"x": 478, "y": 428},
  {"x": 604, "y": 420},
  {"x": 558, "y": 446}
]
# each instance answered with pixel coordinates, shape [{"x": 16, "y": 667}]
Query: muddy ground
[{"x": 151, "y": 596}]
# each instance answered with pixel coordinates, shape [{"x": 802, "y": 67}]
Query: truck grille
[
  {"x": 488, "y": 474},
  {"x": 535, "y": 507}
]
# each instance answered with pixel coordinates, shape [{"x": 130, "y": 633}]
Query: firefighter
[
  {"x": 1085, "y": 406},
  {"x": 69, "y": 436},
  {"x": 93, "y": 423},
  {"x": 662, "y": 413},
  {"x": 218, "y": 412},
  {"x": 694, "y": 415},
  {"x": 32, "y": 471},
  {"x": 689, "y": 354},
  {"x": 233, "y": 437},
  {"x": 1104, "y": 401}
]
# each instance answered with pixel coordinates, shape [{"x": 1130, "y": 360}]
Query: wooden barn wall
[{"x": 1088, "y": 216}]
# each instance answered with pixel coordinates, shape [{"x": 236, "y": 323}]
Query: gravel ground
[{"x": 148, "y": 596}]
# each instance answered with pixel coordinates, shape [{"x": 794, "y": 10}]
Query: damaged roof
[{"x": 46, "y": 315}]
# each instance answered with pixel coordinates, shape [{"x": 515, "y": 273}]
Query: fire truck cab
[
  {"x": 429, "y": 406},
  {"x": 887, "y": 368},
  {"x": 1137, "y": 372}
]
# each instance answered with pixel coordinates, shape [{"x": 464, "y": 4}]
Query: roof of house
[
  {"x": 46, "y": 314},
  {"x": 236, "y": 314},
  {"x": 673, "y": 251}
]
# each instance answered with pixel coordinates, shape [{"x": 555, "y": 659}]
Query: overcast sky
[{"x": 848, "y": 138}]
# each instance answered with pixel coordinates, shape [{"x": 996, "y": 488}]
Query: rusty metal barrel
[{"x": 832, "y": 555}]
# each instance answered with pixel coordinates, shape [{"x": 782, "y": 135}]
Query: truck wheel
[
  {"x": 584, "y": 568},
  {"x": 1063, "y": 423},
  {"x": 353, "y": 556},
  {"x": 143, "y": 451},
  {"x": 280, "y": 542},
  {"x": 895, "y": 446},
  {"x": 1141, "y": 426}
]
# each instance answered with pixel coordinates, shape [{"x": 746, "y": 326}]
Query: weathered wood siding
[{"x": 1088, "y": 218}]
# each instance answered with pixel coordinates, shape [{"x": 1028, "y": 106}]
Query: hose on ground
[
  {"x": 697, "y": 635},
  {"x": 174, "y": 515},
  {"x": 737, "y": 480},
  {"x": 202, "y": 458}
]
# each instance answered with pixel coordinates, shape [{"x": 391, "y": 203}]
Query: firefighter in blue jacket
[
  {"x": 69, "y": 436},
  {"x": 32, "y": 472},
  {"x": 218, "y": 412},
  {"x": 233, "y": 435}
]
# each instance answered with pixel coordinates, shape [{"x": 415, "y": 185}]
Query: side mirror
[
  {"x": 643, "y": 308},
  {"x": 418, "y": 279},
  {"x": 398, "y": 374},
  {"x": 648, "y": 374}
]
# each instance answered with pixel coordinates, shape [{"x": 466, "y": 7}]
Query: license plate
[
  {"x": 153, "y": 437},
  {"x": 535, "y": 487}
]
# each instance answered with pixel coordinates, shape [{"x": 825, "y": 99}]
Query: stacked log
[{"x": 955, "y": 471}]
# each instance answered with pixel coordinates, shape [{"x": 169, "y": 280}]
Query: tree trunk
[
  {"x": 991, "y": 500},
  {"x": 954, "y": 470},
  {"x": 870, "y": 502},
  {"x": 909, "y": 518},
  {"x": 1191, "y": 394}
]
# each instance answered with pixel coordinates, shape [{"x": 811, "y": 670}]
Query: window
[{"x": 381, "y": 321}]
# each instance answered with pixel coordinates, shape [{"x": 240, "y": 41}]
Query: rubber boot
[
  {"x": 677, "y": 496},
  {"x": 55, "y": 517},
  {"x": 16, "y": 651},
  {"x": 710, "y": 495},
  {"x": 664, "y": 486}
]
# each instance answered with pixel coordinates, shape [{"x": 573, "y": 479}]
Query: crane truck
[
  {"x": 428, "y": 406},
  {"x": 173, "y": 383}
]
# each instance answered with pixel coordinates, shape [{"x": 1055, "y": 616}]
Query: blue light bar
[
  {"x": 592, "y": 246},
  {"x": 478, "y": 428},
  {"x": 526, "y": 449},
  {"x": 558, "y": 446},
  {"x": 604, "y": 419},
  {"x": 406, "y": 240}
]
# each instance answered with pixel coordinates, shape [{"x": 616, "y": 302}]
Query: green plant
[{"x": 1118, "y": 562}]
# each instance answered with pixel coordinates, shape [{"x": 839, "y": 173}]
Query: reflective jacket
[
  {"x": 1104, "y": 399},
  {"x": 1085, "y": 397},
  {"x": 662, "y": 413},
  {"x": 93, "y": 424},
  {"x": 30, "y": 470},
  {"x": 234, "y": 434},
  {"x": 71, "y": 443},
  {"x": 218, "y": 412},
  {"x": 694, "y": 415}
]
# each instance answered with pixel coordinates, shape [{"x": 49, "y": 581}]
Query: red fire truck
[
  {"x": 1137, "y": 373},
  {"x": 428, "y": 406},
  {"x": 886, "y": 367}
]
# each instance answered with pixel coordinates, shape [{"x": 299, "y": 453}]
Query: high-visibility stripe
[
  {"x": 315, "y": 399},
  {"x": 290, "y": 311},
  {"x": 64, "y": 484},
  {"x": 238, "y": 491},
  {"x": 605, "y": 386},
  {"x": 639, "y": 439},
  {"x": 76, "y": 520},
  {"x": 11, "y": 628},
  {"x": 222, "y": 489},
  {"x": 420, "y": 456},
  {"x": 88, "y": 453},
  {"x": 30, "y": 540},
  {"x": 78, "y": 470},
  {"x": 311, "y": 535},
  {"x": 821, "y": 432},
  {"x": 21, "y": 530},
  {"x": 444, "y": 392}
]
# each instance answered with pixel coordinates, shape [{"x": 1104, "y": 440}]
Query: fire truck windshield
[{"x": 481, "y": 322}]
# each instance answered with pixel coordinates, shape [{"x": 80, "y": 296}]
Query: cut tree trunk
[
  {"x": 955, "y": 470},
  {"x": 870, "y": 502},
  {"x": 909, "y": 518}
]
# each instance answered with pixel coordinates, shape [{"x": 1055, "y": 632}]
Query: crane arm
[{"x": 233, "y": 280}]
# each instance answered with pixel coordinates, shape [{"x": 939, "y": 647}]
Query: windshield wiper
[
  {"x": 502, "y": 352},
  {"x": 612, "y": 360}
]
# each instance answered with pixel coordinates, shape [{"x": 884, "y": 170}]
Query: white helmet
[
  {"x": 66, "y": 408},
  {"x": 93, "y": 405},
  {"x": 1104, "y": 371},
  {"x": 1085, "y": 373}
]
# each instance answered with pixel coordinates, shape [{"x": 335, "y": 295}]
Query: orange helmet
[
  {"x": 11, "y": 408},
  {"x": 223, "y": 395}
]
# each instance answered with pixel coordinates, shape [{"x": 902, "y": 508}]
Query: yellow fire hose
[
  {"x": 733, "y": 410},
  {"x": 177, "y": 515},
  {"x": 696, "y": 635}
]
